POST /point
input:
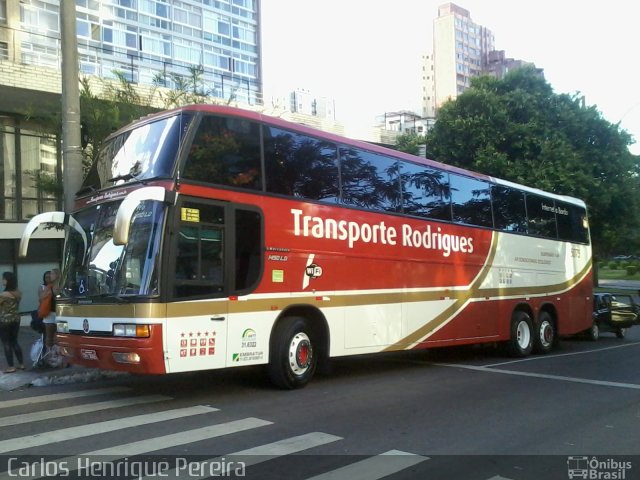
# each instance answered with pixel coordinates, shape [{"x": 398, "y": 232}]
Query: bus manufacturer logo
[
  {"x": 314, "y": 271},
  {"x": 85, "y": 326}
]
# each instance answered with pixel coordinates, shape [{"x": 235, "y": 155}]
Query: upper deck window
[
  {"x": 425, "y": 191},
  {"x": 369, "y": 180},
  {"x": 471, "y": 201},
  {"x": 226, "y": 151},
  {"x": 300, "y": 166},
  {"x": 541, "y": 216}
]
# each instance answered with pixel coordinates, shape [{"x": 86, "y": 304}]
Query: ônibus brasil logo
[{"x": 594, "y": 468}]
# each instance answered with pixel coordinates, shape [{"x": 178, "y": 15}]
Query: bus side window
[
  {"x": 226, "y": 151},
  {"x": 509, "y": 212}
]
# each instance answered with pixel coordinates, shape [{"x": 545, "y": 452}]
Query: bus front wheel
[
  {"x": 521, "y": 341},
  {"x": 292, "y": 359}
]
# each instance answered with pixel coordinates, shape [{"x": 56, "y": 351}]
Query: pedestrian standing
[
  {"x": 10, "y": 321},
  {"x": 47, "y": 306}
]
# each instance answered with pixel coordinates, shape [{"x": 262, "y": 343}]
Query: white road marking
[
  {"x": 61, "y": 396},
  {"x": 72, "y": 433},
  {"x": 109, "y": 456},
  {"x": 374, "y": 468},
  {"x": 257, "y": 455},
  {"x": 543, "y": 357},
  {"x": 542, "y": 375},
  {"x": 79, "y": 409}
]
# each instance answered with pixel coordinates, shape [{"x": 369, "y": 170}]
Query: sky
[{"x": 366, "y": 54}]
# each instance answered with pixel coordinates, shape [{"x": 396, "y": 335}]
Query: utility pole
[{"x": 71, "y": 136}]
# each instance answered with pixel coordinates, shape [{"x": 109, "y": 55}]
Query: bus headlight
[
  {"x": 130, "y": 330},
  {"x": 62, "y": 327},
  {"x": 126, "y": 357}
]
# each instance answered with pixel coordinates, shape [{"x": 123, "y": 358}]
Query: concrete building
[
  {"x": 460, "y": 52},
  {"x": 462, "y": 49},
  {"x": 499, "y": 65},
  {"x": 305, "y": 102},
  {"x": 147, "y": 42}
]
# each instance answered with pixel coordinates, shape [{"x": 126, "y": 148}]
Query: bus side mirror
[
  {"x": 128, "y": 207},
  {"x": 57, "y": 218}
]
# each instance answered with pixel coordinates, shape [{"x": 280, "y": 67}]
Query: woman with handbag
[
  {"x": 10, "y": 321},
  {"x": 47, "y": 310}
]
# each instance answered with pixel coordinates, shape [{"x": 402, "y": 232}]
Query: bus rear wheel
[
  {"x": 544, "y": 334},
  {"x": 520, "y": 343},
  {"x": 293, "y": 359}
]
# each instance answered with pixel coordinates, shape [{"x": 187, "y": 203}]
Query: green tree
[
  {"x": 518, "y": 129},
  {"x": 410, "y": 143}
]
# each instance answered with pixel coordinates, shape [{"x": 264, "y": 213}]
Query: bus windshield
[
  {"x": 107, "y": 270},
  {"x": 145, "y": 152}
]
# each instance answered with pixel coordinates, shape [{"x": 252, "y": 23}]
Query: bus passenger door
[{"x": 197, "y": 285}]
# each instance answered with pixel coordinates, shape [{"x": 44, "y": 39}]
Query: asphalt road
[{"x": 467, "y": 413}]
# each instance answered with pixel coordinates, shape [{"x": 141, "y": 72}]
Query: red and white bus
[{"x": 211, "y": 237}]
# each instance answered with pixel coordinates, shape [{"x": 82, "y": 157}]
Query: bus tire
[
  {"x": 621, "y": 332},
  {"x": 292, "y": 358},
  {"x": 544, "y": 335},
  {"x": 521, "y": 341}
]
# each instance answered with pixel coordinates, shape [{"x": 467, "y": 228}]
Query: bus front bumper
[{"x": 134, "y": 355}]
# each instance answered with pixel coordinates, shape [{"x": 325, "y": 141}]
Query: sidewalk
[{"x": 43, "y": 376}]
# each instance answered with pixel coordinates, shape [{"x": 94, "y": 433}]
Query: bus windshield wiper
[
  {"x": 125, "y": 177},
  {"x": 117, "y": 298}
]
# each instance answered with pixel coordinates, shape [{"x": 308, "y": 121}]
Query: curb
[{"x": 55, "y": 376}]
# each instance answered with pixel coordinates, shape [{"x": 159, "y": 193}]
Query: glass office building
[{"x": 155, "y": 41}]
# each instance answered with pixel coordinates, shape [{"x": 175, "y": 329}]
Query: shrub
[
  {"x": 631, "y": 269},
  {"x": 613, "y": 265}
]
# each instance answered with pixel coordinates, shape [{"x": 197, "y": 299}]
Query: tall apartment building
[
  {"x": 460, "y": 52},
  {"x": 146, "y": 41}
]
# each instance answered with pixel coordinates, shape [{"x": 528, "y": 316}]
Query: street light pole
[{"x": 71, "y": 136}]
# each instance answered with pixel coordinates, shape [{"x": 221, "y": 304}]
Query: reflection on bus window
[
  {"x": 541, "y": 217},
  {"x": 300, "y": 166},
  {"x": 226, "y": 151},
  {"x": 425, "y": 192},
  {"x": 369, "y": 180},
  {"x": 509, "y": 212},
  {"x": 470, "y": 201}
]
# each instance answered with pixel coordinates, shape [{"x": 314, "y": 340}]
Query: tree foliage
[
  {"x": 410, "y": 142},
  {"x": 518, "y": 129}
]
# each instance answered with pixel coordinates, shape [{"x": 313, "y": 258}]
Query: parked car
[{"x": 613, "y": 313}]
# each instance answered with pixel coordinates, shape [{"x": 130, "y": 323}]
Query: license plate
[{"x": 88, "y": 354}]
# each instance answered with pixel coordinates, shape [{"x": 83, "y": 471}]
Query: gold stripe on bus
[
  {"x": 119, "y": 310},
  {"x": 476, "y": 293},
  {"x": 460, "y": 300}
]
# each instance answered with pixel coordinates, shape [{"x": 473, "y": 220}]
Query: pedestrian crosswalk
[{"x": 128, "y": 431}]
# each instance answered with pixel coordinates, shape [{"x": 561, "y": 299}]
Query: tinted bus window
[
  {"x": 470, "y": 201},
  {"x": 509, "y": 213},
  {"x": 369, "y": 180},
  {"x": 226, "y": 151},
  {"x": 425, "y": 192},
  {"x": 541, "y": 217},
  {"x": 572, "y": 223},
  {"x": 300, "y": 166},
  {"x": 248, "y": 251}
]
